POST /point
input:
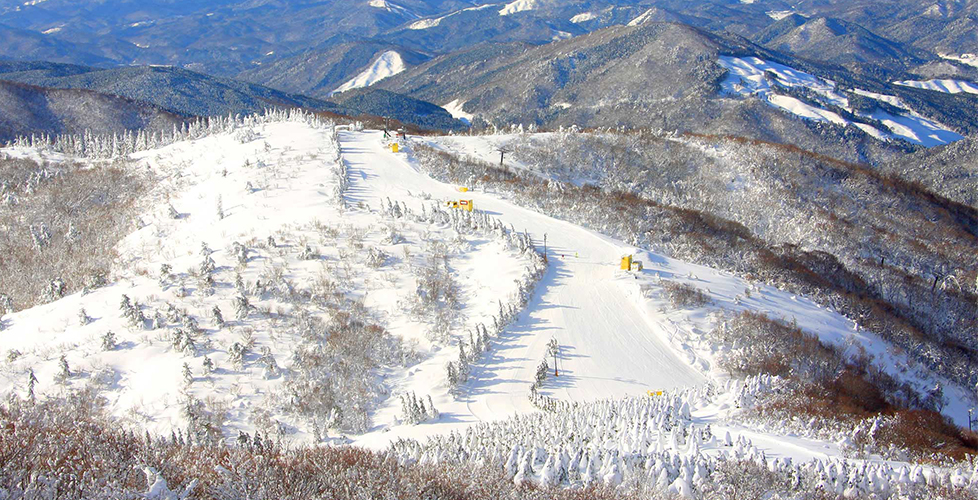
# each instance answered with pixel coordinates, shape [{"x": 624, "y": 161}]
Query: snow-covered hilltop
[{"x": 298, "y": 280}]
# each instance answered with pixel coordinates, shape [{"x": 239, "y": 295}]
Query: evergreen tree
[
  {"x": 463, "y": 363},
  {"x": 453, "y": 379},
  {"x": 108, "y": 341},
  {"x": 218, "y": 317},
  {"x": 83, "y": 318},
  {"x": 31, "y": 383},
  {"x": 241, "y": 307},
  {"x": 65, "y": 372}
]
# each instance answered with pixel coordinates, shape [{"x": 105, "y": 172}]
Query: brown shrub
[
  {"x": 70, "y": 449},
  {"x": 79, "y": 214},
  {"x": 684, "y": 295}
]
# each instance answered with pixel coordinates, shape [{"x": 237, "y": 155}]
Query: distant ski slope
[{"x": 388, "y": 64}]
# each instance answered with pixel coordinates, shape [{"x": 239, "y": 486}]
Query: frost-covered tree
[
  {"x": 64, "y": 371},
  {"x": 267, "y": 360},
  {"x": 56, "y": 290},
  {"x": 108, "y": 341},
  {"x": 207, "y": 266},
  {"x": 31, "y": 384},
  {"x": 241, "y": 307},
  {"x": 240, "y": 252},
  {"x": 218, "y": 317},
  {"x": 236, "y": 354},
  {"x": 131, "y": 312},
  {"x": 463, "y": 363},
  {"x": 83, "y": 318},
  {"x": 542, "y": 370},
  {"x": 453, "y": 379},
  {"x": 166, "y": 274}
]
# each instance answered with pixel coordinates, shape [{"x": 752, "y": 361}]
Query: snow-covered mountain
[
  {"x": 536, "y": 249},
  {"x": 293, "y": 278}
]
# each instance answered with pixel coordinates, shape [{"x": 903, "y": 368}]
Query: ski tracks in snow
[{"x": 609, "y": 348}]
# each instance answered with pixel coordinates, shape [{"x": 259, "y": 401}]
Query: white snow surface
[
  {"x": 424, "y": 24},
  {"x": 285, "y": 190},
  {"x": 641, "y": 19},
  {"x": 750, "y": 76},
  {"x": 519, "y": 6},
  {"x": 388, "y": 64},
  {"x": 391, "y": 7},
  {"x": 969, "y": 59},
  {"x": 947, "y": 86},
  {"x": 685, "y": 329},
  {"x": 618, "y": 334},
  {"x": 778, "y": 15},
  {"x": 583, "y": 17},
  {"x": 454, "y": 108}
]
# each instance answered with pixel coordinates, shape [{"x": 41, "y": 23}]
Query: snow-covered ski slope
[
  {"x": 685, "y": 329},
  {"x": 608, "y": 345},
  {"x": 387, "y": 64},
  {"x": 619, "y": 335}
]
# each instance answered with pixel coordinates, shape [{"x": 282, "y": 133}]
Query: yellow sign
[
  {"x": 395, "y": 147},
  {"x": 626, "y": 262},
  {"x": 462, "y": 204},
  {"x": 463, "y": 189},
  {"x": 654, "y": 393}
]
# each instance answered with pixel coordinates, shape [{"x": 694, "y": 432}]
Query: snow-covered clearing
[
  {"x": 518, "y": 6},
  {"x": 260, "y": 212},
  {"x": 969, "y": 59},
  {"x": 391, "y": 7},
  {"x": 757, "y": 77},
  {"x": 946, "y": 86},
  {"x": 778, "y": 15},
  {"x": 424, "y": 24},
  {"x": 454, "y": 108},
  {"x": 583, "y": 17},
  {"x": 388, "y": 64},
  {"x": 642, "y": 18}
]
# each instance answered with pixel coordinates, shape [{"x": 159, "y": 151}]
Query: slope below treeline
[{"x": 27, "y": 110}]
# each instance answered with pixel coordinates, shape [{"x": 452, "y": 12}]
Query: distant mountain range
[
  {"x": 544, "y": 62},
  {"x": 135, "y": 97},
  {"x": 174, "y": 89},
  {"x": 669, "y": 76},
  {"x": 242, "y": 39}
]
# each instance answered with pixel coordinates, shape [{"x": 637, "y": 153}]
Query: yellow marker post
[
  {"x": 395, "y": 147},
  {"x": 626, "y": 262}
]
